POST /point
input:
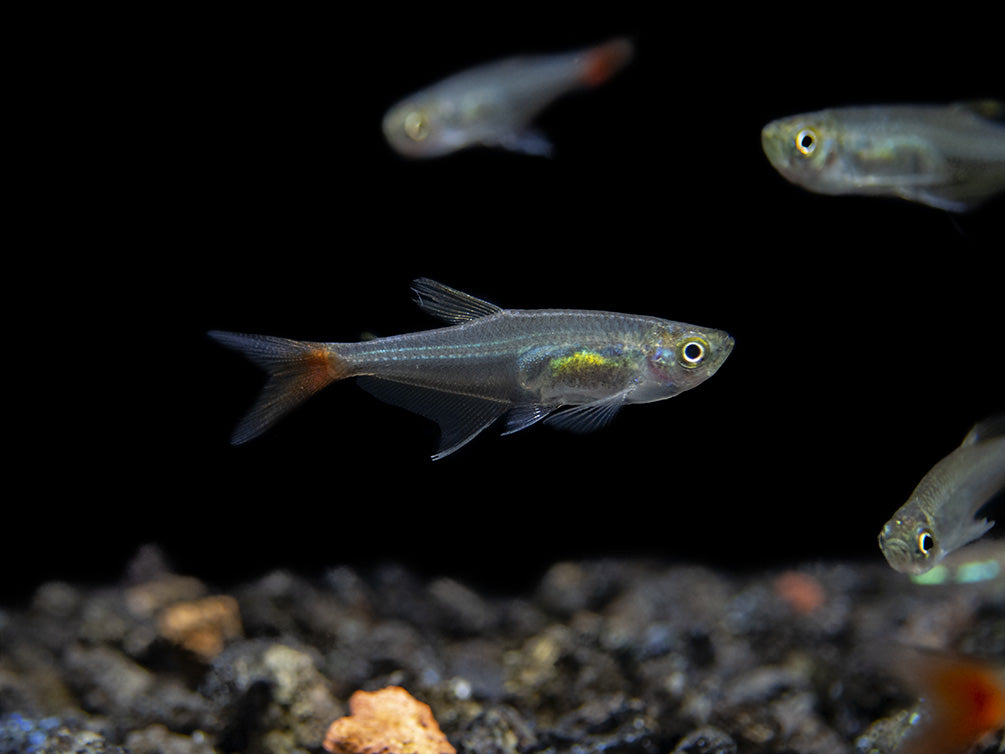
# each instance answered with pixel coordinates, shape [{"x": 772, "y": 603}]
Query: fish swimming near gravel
[
  {"x": 493, "y": 104},
  {"x": 490, "y": 363},
  {"x": 950, "y": 157},
  {"x": 940, "y": 515}
]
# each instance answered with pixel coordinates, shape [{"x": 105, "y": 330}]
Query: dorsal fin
[
  {"x": 991, "y": 109},
  {"x": 993, "y": 426},
  {"x": 450, "y": 304}
]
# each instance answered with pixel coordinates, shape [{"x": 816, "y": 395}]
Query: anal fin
[{"x": 460, "y": 417}]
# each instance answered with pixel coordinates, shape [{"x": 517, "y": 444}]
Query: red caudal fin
[
  {"x": 603, "y": 61},
  {"x": 297, "y": 370},
  {"x": 963, "y": 701}
]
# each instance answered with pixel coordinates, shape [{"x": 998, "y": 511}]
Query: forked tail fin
[
  {"x": 297, "y": 369},
  {"x": 603, "y": 61}
]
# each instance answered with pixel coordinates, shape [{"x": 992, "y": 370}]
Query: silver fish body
[
  {"x": 949, "y": 157},
  {"x": 493, "y": 362},
  {"x": 493, "y": 104},
  {"x": 939, "y": 517}
]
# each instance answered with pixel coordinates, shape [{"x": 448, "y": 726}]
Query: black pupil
[
  {"x": 692, "y": 351},
  {"x": 926, "y": 542},
  {"x": 806, "y": 142}
]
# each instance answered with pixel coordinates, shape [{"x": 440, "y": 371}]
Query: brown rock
[
  {"x": 389, "y": 721},
  {"x": 201, "y": 626}
]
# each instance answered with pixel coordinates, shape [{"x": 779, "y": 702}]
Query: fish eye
[
  {"x": 416, "y": 125},
  {"x": 693, "y": 352},
  {"x": 926, "y": 542},
  {"x": 806, "y": 141}
]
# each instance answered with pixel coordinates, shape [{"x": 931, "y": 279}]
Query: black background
[{"x": 227, "y": 171}]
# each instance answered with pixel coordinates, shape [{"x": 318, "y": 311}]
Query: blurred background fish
[
  {"x": 939, "y": 517},
  {"x": 950, "y": 157},
  {"x": 980, "y": 561},
  {"x": 493, "y": 104},
  {"x": 963, "y": 699}
]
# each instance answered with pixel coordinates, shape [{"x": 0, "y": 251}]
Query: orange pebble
[
  {"x": 389, "y": 721},
  {"x": 801, "y": 592},
  {"x": 201, "y": 626}
]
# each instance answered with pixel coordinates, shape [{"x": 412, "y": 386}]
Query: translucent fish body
[
  {"x": 493, "y": 104},
  {"x": 950, "y": 157},
  {"x": 939, "y": 517},
  {"x": 493, "y": 362}
]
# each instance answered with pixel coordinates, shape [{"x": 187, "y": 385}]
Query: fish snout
[
  {"x": 771, "y": 145},
  {"x": 723, "y": 345},
  {"x": 897, "y": 553},
  {"x": 728, "y": 341}
]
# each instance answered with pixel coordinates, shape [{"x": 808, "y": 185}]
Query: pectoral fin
[
  {"x": 589, "y": 416},
  {"x": 975, "y": 530},
  {"x": 522, "y": 417},
  {"x": 939, "y": 201},
  {"x": 950, "y": 199},
  {"x": 529, "y": 142}
]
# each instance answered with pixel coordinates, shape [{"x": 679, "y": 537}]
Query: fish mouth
[
  {"x": 723, "y": 348},
  {"x": 772, "y": 145},
  {"x": 898, "y": 555}
]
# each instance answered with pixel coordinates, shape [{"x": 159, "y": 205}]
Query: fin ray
[
  {"x": 460, "y": 417},
  {"x": 589, "y": 416},
  {"x": 297, "y": 369},
  {"x": 522, "y": 417},
  {"x": 450, "y": 304}
]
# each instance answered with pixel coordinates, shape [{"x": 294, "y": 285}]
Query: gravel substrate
[{"x": 608, "y": 656}]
